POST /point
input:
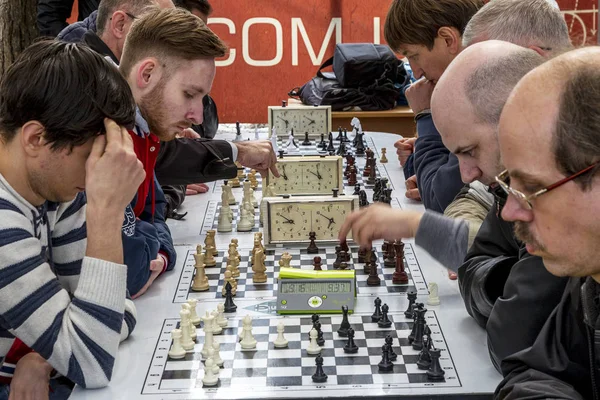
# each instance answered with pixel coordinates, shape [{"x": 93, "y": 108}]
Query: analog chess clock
[
  {"x": 307, "y": 175},
  {"x": 314, "y": 120},
  {"x": 290, "y": 219}
]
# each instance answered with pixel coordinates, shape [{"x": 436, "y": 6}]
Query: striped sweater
[{"x": 69, "y": 308}]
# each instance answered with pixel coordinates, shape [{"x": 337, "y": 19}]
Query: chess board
[
  {"x": 269, "y": 372},
  {"x": 211, "y": 218},
  {"x": 300, "y": 259},
  {"x": 314, "y": 149}
]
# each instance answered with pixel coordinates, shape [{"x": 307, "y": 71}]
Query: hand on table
[
  {"x": 412, "y": 191},
  {"x": 196, "y": 188},
  {"x": 379, "y": 221},
  {"x": 258, "y": 155},
  {"x": 404, "y": 148},
  {"x": 419, "y": 94},
  {"x": 156, "y": 266},
  {"x": 31, "y": 378}
]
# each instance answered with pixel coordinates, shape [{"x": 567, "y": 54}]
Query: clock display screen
[{"x": 315, "y": 287}]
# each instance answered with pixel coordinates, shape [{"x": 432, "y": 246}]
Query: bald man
[
  {"x": 550, "y": 144},
  {"x": 466, "y": 107}
]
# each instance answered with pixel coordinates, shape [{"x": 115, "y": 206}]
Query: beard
[
  {"x": 153, "y": 110},
  {"x": 523, "y": 234}
]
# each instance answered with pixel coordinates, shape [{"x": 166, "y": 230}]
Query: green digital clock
[{"x": 309, "y": 292}]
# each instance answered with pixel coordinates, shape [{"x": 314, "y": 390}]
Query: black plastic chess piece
[
  {"x": 355, "y": 140},
  {"x": 377, "y": 314},
  {"x": 360, "y": 147},
  {"x": 390, "y": 257},
  {"x": 229, "y": 304},
  {"x": 412, "y": 297},
  {"x": 424, "y": 361},
  {"x": 338, "y": 260},
  {"x": 319, "y": 376},
  {"x": 345, "y": 137},
  {"x": 315, "y": 319},
  {"x": 340, "y": 135},
  {"x": 356, "y": 189},
  {"x": 390, "y": 341},
  {"x": 385, "y": 365},
  {"x": 330, "y": 146},
  {"x": 306, "y": 141},
  {"x": 384, "y": 322},
  {"x": 377, "y": 189},
  {"x": 387, "y": 196},
  {"x": 312, "y": 247},
  {"x": 350, "y": 346},
  {"x": 281, "y": 153},
  {"x": 317, "y": 263},
  {"x": 344, "y": 246},
  {"x": 362, "y": 199},
  {"x": 411, "y": 336},
  {"x": 345, "y": 325},
  {"x": 435, "y": 372},
  {"x": 320, "y": 340},
  {"x": 417, "y": 343},
  {"x": 342, "y": 151},
  {"x": 322, "y": 144}
]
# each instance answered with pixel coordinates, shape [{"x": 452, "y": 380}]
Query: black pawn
[
  {"x": 377, "y": 314},
  {"x": 412, "y": 297},
  {"x": 356, "y": 189},
  {"x": 330, "y": 146},
  {"x": 322, "y": 143},
  {"x": 384, "y": 322},
  {"x": 320, "y": 340},
  {"x": 389, "y": 341},
  {"x": 340, "y": 135},
  {"x": 317, "y": 263},
  {"x": 385, "y": 365},
  {"x": 435, "y": 372},
  {"x": 306, "y": 141},
  {"x": 350, "y": 346},
  {"x": 229, "y": 304},
  {"x": 319, "y": 376},
  {"x": 338, "y": 260},
  {"x": 424, "y": 361},
  {"x": 344, "y": 246},
  {"x": 345, "y": 325},
  {"x": 361, "y": 255},
  {"x": 344, "y": 257},
  {"x": 312, "y": 247}
]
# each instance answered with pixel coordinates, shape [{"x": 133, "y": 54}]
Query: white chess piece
[
  {"x": 216, "y": 327},
  {"x": 291, "y": 146},
  {"x": 194, "y": 318},
  {"x": 221, "y": 317},
  {"x": 356, "y": 125},
  {"x": 313, "y": 347},
  {"x": 230, "y": 197},
  {"x": 269, "y": 191},
  {"x": 281, "y": 341},
  {"x": 248, "y": 341},
  {"x": 186, "y": 339},
  {"x": 208, "y": 335},
  {"x": 274, "y": 140},
  {"x": 191, "y": 326},
  {"x": 176, "y": 351},
  {"x": 253, "y": 199},
  {"x": 433, "y": 299},
  {"x": 217, "y": 354},
  {"x": 256, "y": 135},
  {"x": 224, "y": 224},
  {"x": 211, "y": 356},
  {"x": 245, "y": 224},
  {"x": 210, "y": 379}
]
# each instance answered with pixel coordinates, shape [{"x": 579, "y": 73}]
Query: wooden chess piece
[
  {"x": 383, "y": 159},
  {"x": 259, "y": 268},
  {"x": 373, "y": 279},
  {"x": 317, "y": 263},
  {"x": 400, "y": 276},
  {"x": 312, "y": 247}
]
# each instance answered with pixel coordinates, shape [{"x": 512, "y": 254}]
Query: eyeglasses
[
  {"x": 503, "y": 179},
  {"x": 129, "y": 15}
]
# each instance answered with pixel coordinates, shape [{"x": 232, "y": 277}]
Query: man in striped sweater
[{"x": 62, "y": 278}]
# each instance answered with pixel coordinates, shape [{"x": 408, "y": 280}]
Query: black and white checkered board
[
  {"x": 266, "y": 369},
  {"x": 211, "y": 218},
  {"x": 268, "y": 290}
]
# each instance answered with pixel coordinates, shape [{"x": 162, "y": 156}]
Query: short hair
[
  {"x": 106, "y": 8},
  {"x": 201, "y": 5},
  {"x": 488, "y": 95},
  {"x": 524, "y": 23},
  {"x": 173, "y": 33},
  {"x": 418, "y": 21},
  {"x": 68, "y": 88},
  {"x": 576, "y": 141}
]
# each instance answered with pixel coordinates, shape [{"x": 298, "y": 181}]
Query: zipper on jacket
[{"x": 591, "y": 344}]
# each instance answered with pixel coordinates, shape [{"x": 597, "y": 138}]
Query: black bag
[{"x": 360, "y": 64}]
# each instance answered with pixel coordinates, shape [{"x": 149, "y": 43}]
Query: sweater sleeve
[{"x": 79, "y": 335}]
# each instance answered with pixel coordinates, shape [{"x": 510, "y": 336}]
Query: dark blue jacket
[
  {"x": 74, "y": 32},
  {"x": 438, "y": 174}
]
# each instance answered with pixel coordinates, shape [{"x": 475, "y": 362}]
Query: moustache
[{"x": 523, "y": 234}]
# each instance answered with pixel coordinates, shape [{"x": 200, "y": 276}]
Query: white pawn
[
  {"x": 246, "y": 222},
  {"x": 208, "y": 335},
  {"x": 186, "y": 339},
  {"x": 191, "y": 327},
  {"x": 313, "y": 347},
  {"x": 176, "y": 351},
  {"x": 210, "y": 379},
  {"x": 211, "y": 356},
  {"x": 281, "y": 341},
  {"x": 194, "y": 318},
  {"x": 217, "y": 354},
  {"x": 216, "y": 327},
  {"x": 433, "y": 299},
  {"x": 224, "y": 224},
  {"x": 221, "y": 316},
  {"x": 248, "y": 341}
]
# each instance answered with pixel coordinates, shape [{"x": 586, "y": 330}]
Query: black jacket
[
  {"x": 564, "y": 361},
  {"x": 505, "y": 289},
  {"x": 53, "y": 14}
]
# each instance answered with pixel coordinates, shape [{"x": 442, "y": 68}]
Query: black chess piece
[
  {"x": 322, "y": 144},
  {"x": 360, "y": 147},
  {"x": 411, "y": 336},
  {"x": 319, "y": 376},
  {"x": 424, "y": 361},
  {"x": 345, "y": 137},
  {"x": 312, "y": 247},
  {"x": 412, "y": 297},
  {"x": 417, "y": 343},
  {"x": 342, "y": 151},
  {"x": 330, "y": 146},
  {"x": 306, "y": 141},
  {"x": 390, "y": 257},
  {"x": 361, "y": 255},
  {"x": 377, "y": 190},
  {"x": 362, "y": 199},
  {"x": 385, "y": 365},
  {"x": 435, "y": 372},
  {"x": 345, "y": 325},
  {"x": 390, "y": 341},
  {"x": 340, "y": 134},
  {"x": 350, "y": 346},
  {"x": 387, "y": 196},
  {"x": 281, "y": 153},
  {"x": 317, "y": 263},
  {"x": 355, "y": 140},
  {"x": 320, "y": 340},
  {"x": 384, "y": 322},
  {"x": 344, "y": 246},
  {"x": 229, "y": 304},
  {"x": 338, "y": 260},
  {"x": 344, "y": 258},
  {"x": 373, "y": 279},
  {"x": 356, "y": 189},
  {"x": 377, "y": 314}
]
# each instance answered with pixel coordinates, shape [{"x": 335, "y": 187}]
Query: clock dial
[
  {"x": 320, "y": 176},
  {"x": 303, "y": 119},
  {"x": 328, "y": 218},
  {"x": 288, "y": 222},
  {"x": 307, "y": 175}
]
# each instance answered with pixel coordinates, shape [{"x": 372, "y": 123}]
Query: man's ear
[
  {"x": 117, "y": 24},
  {"x": 452, "y": 39},
  {"x": 32, "y": 138},
  {"x": 148, "y": 74},
  {"x": 539, "y": 50}
]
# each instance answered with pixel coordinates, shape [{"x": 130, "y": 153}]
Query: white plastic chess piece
[
  {"x": 248, "y": 341},
  {"x": 194, "y": 318},
  {"x": 191, "y": 326},
  {"x": 274, "y": 140},
  {"x": 291, "y": 146},
  {"x": 269, "y": 191},
  {"x": 216, "y": 327},
  {"x": 217, "y": 354},
  {"x": 176, "y": 351},
  {"x": 256, "y": 135},
  {"x": 208, "y": 335},
  {"x": 245, "y": 224},
  {"x": 313, "y": 347},
  {"x": 433, "y": 299},
  {"x": 356, "y": 125},
  {"x": 224, "y": 224},
  {"x": 221, "y": 317},
  {"x": 186, "y": 339},
  {"x": 211, "y": 356},
  {"x": 210, "y": 379},
  {"x": 281, "y": 341}
]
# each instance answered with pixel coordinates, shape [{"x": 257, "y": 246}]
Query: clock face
[
  {"x": 314, "y": 120},
  {"x": 291, "y": 220},
  {"x": 308, "y": 175}
]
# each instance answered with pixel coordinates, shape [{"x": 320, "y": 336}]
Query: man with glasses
[{"x": 550, "y": 143}]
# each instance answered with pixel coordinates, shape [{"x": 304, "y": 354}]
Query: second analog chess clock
[
  {"x": 314, "y": 120},
  {"x": 308, "y": 175}
]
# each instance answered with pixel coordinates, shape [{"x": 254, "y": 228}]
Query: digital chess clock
[
  {"x": 307, "y": 175},
  {"x": 314, "y": 120},
  {"x": 309, "y": 292}
]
